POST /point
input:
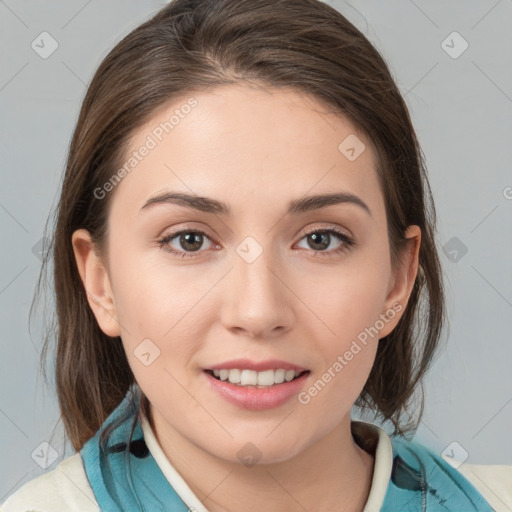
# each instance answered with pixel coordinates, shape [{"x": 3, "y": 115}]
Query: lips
[{"x": 256, "y": 397}]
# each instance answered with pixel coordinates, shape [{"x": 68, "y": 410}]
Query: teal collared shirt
[{"x": 127, "y": 478}]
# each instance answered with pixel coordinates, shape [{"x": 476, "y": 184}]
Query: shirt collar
[{"x": 370, "y": 437}]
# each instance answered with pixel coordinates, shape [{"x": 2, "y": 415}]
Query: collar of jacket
[{"x": 124, "y": 475}]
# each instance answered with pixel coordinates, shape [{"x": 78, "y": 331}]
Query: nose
[{"x": 256, "y": 299}]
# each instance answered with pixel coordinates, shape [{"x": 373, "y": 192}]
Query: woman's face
[{"x": 265, "y": 283}]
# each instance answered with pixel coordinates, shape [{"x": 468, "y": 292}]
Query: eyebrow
[{"x": 295, "y": 207}]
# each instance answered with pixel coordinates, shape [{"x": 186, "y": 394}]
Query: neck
[{"x": 314, "y": 480}]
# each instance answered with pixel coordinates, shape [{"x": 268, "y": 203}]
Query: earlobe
[
  {"x": 96, "y": 282},
  {"x": 402, "y": 281}
]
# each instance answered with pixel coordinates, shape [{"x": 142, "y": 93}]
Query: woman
[{"x": 244, "y": 250}]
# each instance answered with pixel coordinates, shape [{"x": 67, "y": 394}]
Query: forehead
[{"x": 248, "y": 147}]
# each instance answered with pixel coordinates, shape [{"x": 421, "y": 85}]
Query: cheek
[
  {"x": 346, "y": 300},
  {"x": 347, "y": 358},
  {"x": 158, "y": 311},
  {"x": 333, "y": 391},
  {"x": 347, "y": 303},
  {"x": 151, "y": 295}
]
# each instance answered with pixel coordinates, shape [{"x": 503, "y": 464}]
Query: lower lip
[{"x": 257, "y": 398}]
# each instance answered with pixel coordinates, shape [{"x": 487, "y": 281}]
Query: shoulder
[
  {"x": 442, "y": 479},
  {"x": 63, "y": 489},
  {"x": 494, "y": 482}
]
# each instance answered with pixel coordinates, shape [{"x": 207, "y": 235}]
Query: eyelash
[{"x": 348, "y": 242}]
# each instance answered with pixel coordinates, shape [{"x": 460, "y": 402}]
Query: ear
[
  {"x": 402, "y": 280},
  {"x": 96, "y": 282}
]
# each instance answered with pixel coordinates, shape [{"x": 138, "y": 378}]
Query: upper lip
[{"x": 257, "y": 366}]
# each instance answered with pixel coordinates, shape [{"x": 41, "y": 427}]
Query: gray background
[{"x": 461, "y": 108}]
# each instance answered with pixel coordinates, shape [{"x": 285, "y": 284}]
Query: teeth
[
  {"x": 266, "y": 378},
  {"x": 289, "y": 375},
  {"x": 279, "y": 376},
  {"x": 234, "y": 376},
  {"x": 248, "y": 377}
]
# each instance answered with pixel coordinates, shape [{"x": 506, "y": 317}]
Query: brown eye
[
  {"x": 185, "y": 242},
  {"x": 191, "y": 241},
  {"x": 318, "y": 240}
]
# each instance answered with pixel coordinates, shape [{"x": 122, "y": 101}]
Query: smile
[{"x": 256, "y": 390}]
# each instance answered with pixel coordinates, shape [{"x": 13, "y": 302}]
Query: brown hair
[{"x": 199, "y": 45}]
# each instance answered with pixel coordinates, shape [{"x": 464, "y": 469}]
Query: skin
[{"x": 255, "y": 150}]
